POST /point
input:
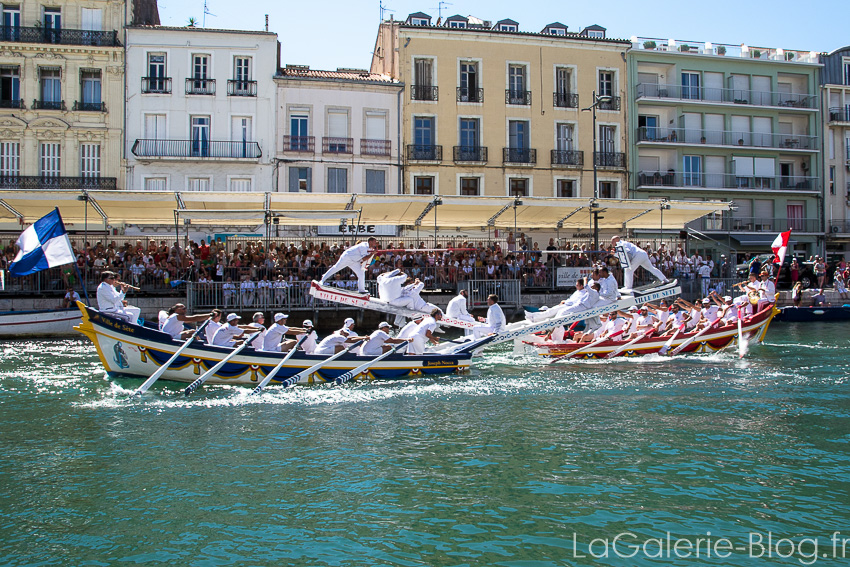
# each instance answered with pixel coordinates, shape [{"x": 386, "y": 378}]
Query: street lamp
[
  {"x": 597, "y": 100},
  {"x": 664, "y": 206}
]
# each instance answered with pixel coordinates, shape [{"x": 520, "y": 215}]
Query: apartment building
[
  {"x": 62, "y": 93},
  {"x": 494, "y": 111},
  {"x": 338, "y": 131},
  {"x": 835, "y": 98},
  {"x": 200, "y": 109},
  {"x": 729, "y": 122}
]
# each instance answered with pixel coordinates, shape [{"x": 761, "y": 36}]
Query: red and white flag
[{"x": 780, "y": 246}]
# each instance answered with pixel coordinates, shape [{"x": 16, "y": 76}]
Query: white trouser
[
  {"x": 467, "y": 318},
  {"x": 417, "y": 346},
  {"x": 482, "y": 331},
  {"x": 355, "y": 266},
  {"x": 640, "y": 259},
  {"x": 127, "y": 313}
]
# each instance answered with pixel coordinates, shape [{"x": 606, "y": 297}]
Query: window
[
  {"x": 155, "y": 183},
  {"x": 832, "y": 180},
  {"x": 469, "y": 82},
  {"x": 847, "y": 72},
  {"x": 518, "y": 187},
  {"x": 337, "y": 180},
  {"x": 11, "y": 23},
  {"x": 91, "y": 19},
  {"x": 90, "y": 160},
  {"x": 606, "y": 83},
  {"x": 198, "y": 184},
  {"x": 647, "y": 128},
  {"x": 566, "y": 188},
  {"x": 242, "y": 69},
  {"x": 469, "y": 186},
  {"x": 90, "y": 88},
  {"x": 690, "y": 86},
  {"x": 598, "y": 34},
  {"x": 563, "y": 88},
  {"x": 423, "y": 185},
  {"x": 240, "y": 184},
  {"x": 557, "y": 31},
  {"x": 607, "y": 189},
  {"x": 338, "y": 131},
  {"x": 564, "y": 137},
  {"x": 200, "y": 81},
  {"x": 375, "y": 143},
  {"x": 49, "y": 159},
  {"x": 200, "y": 136},
  {"x": 469, "y": 134},
  {"x": 10, "y": 159},
  {"x": 422, "y": 72},
  {"x": 518, "y": 134},
  {"x": 10, "y": 87},
  {"x": 692, "y": 168},
  {"x": 423, "y": 139},
  {"x": 457, "y": 24},
  {"x": 300, "y": 179},
  {"x": 240, "y": 135},
  {"x": 51, "y": 87},
  {"x": 796, "y": 215},
  {"x": 200, "y": 65},
  {"x": 376, "y": 181},
  {"x": 299, "y": 140},
  {"x": 155, "y": 127},
  {"x": 517, "y": 85},
  {"x": 507, "y": 27},
  {"x": 607, "y": 139},
  {"x": 52, "y": 25},
  {"x": 418, "y": 22},
  {"x": 156, "y": 78}
]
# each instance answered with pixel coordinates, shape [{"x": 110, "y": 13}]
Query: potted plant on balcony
[
  {"x": 756, "y": 54},
  {"x": 721, "y": 50},
  {"x": 684, "y": 48},
  {"x": 649, "y": 44}
]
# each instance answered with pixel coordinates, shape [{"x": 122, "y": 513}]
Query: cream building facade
[
  {"x": 62, "y": 94},
  {"x": 489, "y": 110},
  {"x": 835, "y": 92}
]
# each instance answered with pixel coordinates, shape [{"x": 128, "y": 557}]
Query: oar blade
[
  {"x": 161, "y": 370},
  {"x": 277, "y": 368}
]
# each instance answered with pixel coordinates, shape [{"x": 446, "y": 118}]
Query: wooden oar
[
  {"x": 586, "y": 348},
  {"x": 742, "y": 343},
  {"x": 669, "y": 342},
  {"x": 155, "y": 376},
  {"x": 277, "y": 368},
  {"x": 343, "y": 378},
  {"x": 620, "y": 349},
  {"x": 197, "y": 383},
  {"x": 685, "y": 344},
  {"x": 293, "y": 379}
]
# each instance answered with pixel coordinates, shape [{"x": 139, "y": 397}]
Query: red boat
[{"x": 752, "y": 328}]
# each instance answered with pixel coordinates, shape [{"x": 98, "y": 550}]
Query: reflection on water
[{"x": 498, "y": 467}]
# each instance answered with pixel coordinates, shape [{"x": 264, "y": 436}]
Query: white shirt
[
  {"x": 609, "y": 291},
  {"x": 309, "y": 344},
  {"x": 767, "y": 289},
  {"x": 271, "y": 342},
  {"x": 172, "y": 325},
  {"x": 456, "y": 309},
  {"x": 389, "y": 285},
  {"x": 495, "y": 317},
  {"x": 109, "y": 300},
  {"x": 329, "y": 343},
  {"x": 212, "y": 327},
  {"x": 629, "y": 248},
  {"x": 225, "y": 334},
  {"x": 710, "y": 313},
  {"x": 427, "y": 324},
  {"x": 408, "y": 330},
  {"x": 72, "y": 296},
  {"x": 356, "y": 253},
  {"x": 372, "y": 347}
]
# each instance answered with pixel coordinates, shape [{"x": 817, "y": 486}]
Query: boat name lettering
[{"x": 437, "y": 363}]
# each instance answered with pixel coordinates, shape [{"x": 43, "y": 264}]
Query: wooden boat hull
[
  {"x": 135, "y": 351},
  {"x": 753, "y": 328},
  {"x": 38, "y": 323}
]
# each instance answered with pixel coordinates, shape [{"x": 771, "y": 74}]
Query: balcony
[
  {"x": 48, "y": 105},
  {"x": 423, "y": 92},
  {"x": 375, "y": 147},
  {"x": 241, "y": 88},
  {"x": 423, "y": 152},
  {"x": 519, "y": 156},
  {"x": 89, "y": 106},
  {"x": 521, "y": 98},
  {"x": 838, "y": 226},
  {"x": 337, "y": 145},
  {"x": 19, "y": 104},
  {"x": 756, "y": 224},
  {"x": 682, "y": 136},
  {"x": 60, "y": 36},
  {"x": 839, "y": 114},
  {"x": 465, "y": 94},
  {"x": 722, "y": 95},
  {"x": 565, "y": 100},
  {"x": 648, "y": 179},
  {"x": 611, "y": 103},
  {"x": 156, "y": 85},
  {"x": 301, "y": 144},
  {"x": 234, "y": 149},
  {"x": 610, "y": 160},
  {"x": 723, "y": 49},
  {"x": 567, "y": 158},
  {"x": 200, "y": 86},
  {"x": 26, "y": 182},
  {"x": 476, "y": 154}
]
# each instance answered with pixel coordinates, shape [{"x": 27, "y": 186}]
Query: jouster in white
[
  {"x": 637, "y": 258},
  {"x": 353, "y": 259},
  {"x": 495, "y": 320}
]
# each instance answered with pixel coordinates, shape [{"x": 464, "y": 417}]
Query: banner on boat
[{"x": 566, "y": 277}]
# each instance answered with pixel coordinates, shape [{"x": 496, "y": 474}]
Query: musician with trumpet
[
  {"x": 750, "y": 298},
  {"x": 112, "y": 302}
]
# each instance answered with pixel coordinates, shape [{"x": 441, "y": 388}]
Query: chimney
[{"x": 267, "y": 22}]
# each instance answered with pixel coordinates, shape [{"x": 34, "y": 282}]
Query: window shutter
[
  {"x": 375, "y": 181},
  {"x": 338, "y": 124},
  {"x": 309, "y": 179},
  {"x": 376, "y": 128},
  {"x": 293, "y": 180}
]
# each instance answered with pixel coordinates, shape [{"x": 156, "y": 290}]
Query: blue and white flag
[{"x": 43, "y": 245}]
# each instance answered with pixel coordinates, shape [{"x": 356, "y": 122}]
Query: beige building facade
[
  {"x": 492, "y": 111},
  {"x": 61, "y": 94}
]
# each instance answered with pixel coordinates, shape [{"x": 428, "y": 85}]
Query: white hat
[
  {"x": 706, "y": 300},
  {"x": 279, "y": 316},
  {"x": 727, "y": 298},
  {"x": 232, "y": 317},
  {"x": 348, "y": 322},
  {"x": 307, "y": 323},
  {"x": 634, "y": 308},
  {"x": 383, "y": 324}
]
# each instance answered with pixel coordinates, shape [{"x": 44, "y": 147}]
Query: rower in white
[
  {"x": 310, "y": 343},
  {"x": 379, "y": 341},
  {"x": 495, "y": 320},
  {"x": 637, "y": 258},
  {"x": 174, "y": 318},
  {"x": 424, "y": 333},
  {"x": 226, "y": 334},
  {"x": 353, "y": 258}
]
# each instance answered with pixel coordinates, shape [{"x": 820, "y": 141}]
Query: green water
[{"x": 516, "y": 464}]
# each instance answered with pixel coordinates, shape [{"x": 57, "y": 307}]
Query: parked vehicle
[{"x": 806, "y": 277}]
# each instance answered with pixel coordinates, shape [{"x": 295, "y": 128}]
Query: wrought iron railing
[
  {"x": 726, "y": 181},
  {"x": 48, "y": 105},
  {"x": 609, "y": 159},
  {"x": 90, "y": 106},
  {"x": 736, "y": 96},
  {"x": 156, "y": 85},
  {"x": 470, "y": 153},
  {"x": 47, "y": 182},
  {"x": 375, "y": 147},
  {"x": 59, "y": 36},
  {"x": 337, "y": 145},
  {"x": 423, "y": 92},
  {"x": 567, "y": 158},
  {"x": 517, "y": 97},
  {"x": 19, "y": 103},
  {"x": 565, "y": 100},
  {"x": 726, "y": 138},
  {"x": 196, "y": 149},
  {"x": 519, "y": 155},
  {"x": 421, "y": 152},
  {"x": 304, "y": 144},
  {"x": 838, "y": 114},
  {"x": 200, "y": 86},
  {"x": 757, "y": 224},
  {"x": 241, "y": 88},
  {"x": 466, "y": 94}
]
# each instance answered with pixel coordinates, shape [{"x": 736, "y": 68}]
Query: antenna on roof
[
  {"x": 206, "y": 11},
  {"x": 440, "y": 8},
  {"x": 383, "y": 9}
]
